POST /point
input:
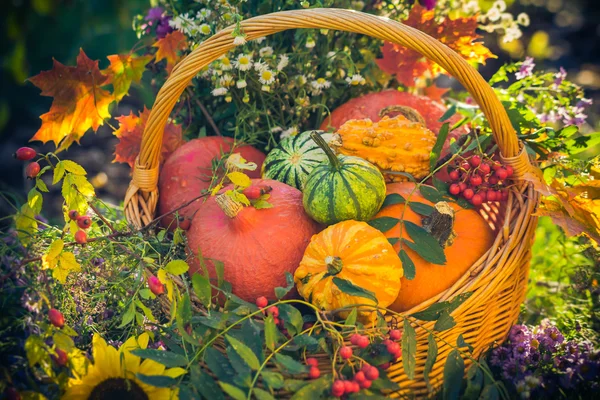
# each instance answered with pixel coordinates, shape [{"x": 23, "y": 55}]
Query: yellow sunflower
[{"x": 113, "y": 374}]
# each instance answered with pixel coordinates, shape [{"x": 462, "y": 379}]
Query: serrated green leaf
[
  {"x": 147, "y": 312},
  {"x": 314, "y": 389},
  {"x": 40, "y": 184},
  {"x": 433, "y": 312},
  {"x": 270, "y": 333},
  {"x": 432, "y": 351},
  {"x": 73, "y": 167},
  {"x": 244, "y": 352},
  {"x": 445, "y": 322},
  {"x": 409, "y": 349},
  {"x": 128, "y": 316},
  {"x": 436, "y": 151},
  {"x": 273, "y": 379},
  {"x": 351, "y": 289},
  {"x": 384, "y": 224},
  {"x": 351, "y": 318},
  {"x": 421, "y": 208},
  {"x": 425, "y": 245},
  {"x": 166, "y": 358},
  {"x": 59, "y": 172},
  {"x": 454, "y": 370},
  {"x": 291, "y": 315},
  {"x": 393, "y": 198},
  {"x": 407, "y": 265},
  {"x": 202, "y": 289},
  {"x": 177, "y": 267},
  {"x": 235, "y": 392},
  {"x": 289, "y": 365},
  {"x": 431, "y": 194},
  {"x": 262, "y": 394},
  {"x": 161, "y": 381}
]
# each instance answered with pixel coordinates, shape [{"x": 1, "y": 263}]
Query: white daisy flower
[
  {"x": 243, "y": 62},
  {"x": 506, "y": 19},
  {"x": 260, "y": 66},
  {"x": 471, "y": 7},
  {"x": 239, "y": 40},
  {"x": 226, "y": 80},
  {"x": 500, "y": 5},
  {"x": 320, "y": 84},
  {"x": 523, "y": 19},
  {"x": 205, "y": 12},
  {"x": 265, "y": 88},
  {"x": 283, "y": 62},
  {"x": 266, "y": 76},
  {"x": 240, "y": 84},
  {"x": 260, "y": 39},
  {"x": 226, "y": 63},
  {"x": 204, "y": 29},
  {"x": 310, "y": 43},
  {"x": 219, "y": 91},
  {"x": 493, "y": 14},
  {"x": 293, "y": 131},
  {"x": 276, "y": 129},
  {"x": 355, "y": 80},
  {"x": 266, "y": 51}
]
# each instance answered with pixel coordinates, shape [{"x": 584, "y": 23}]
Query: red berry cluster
[
  {"x": 362, "y": 380},
  {"x": 83, "y": 222},
  {"x": 479, "y": 180}
]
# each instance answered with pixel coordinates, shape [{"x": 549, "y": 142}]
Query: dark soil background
[{"x": 35, "y": 31}]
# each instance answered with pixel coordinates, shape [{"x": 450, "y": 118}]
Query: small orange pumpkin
[
  {"x": 470, "y": 239},
  {"x": 354, "y": 252}
]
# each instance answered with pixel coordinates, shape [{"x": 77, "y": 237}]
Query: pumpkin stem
[
  {"x": 333, "y": 160},
  {"x": 409, "y": 113},
  {"x": 230, "y": 206},
  {"x": 334, "y": 265},
  {"x": 440, "y": 224}
]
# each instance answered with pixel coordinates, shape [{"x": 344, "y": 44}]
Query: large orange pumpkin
[
  {"x": 473, "y": 237},
  {"x": 257, "y": 246},
  {"x": 188, "y": 171}
]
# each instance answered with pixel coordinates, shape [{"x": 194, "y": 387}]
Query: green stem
[{"x": 333, "y": 160}]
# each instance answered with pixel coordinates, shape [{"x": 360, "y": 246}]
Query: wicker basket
[{"x": 497, "y": 280}]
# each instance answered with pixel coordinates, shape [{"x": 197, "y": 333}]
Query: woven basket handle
[{"x": 142, "y": 195}]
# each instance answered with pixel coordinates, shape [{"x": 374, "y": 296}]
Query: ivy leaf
[
  {"x": 445, "y": 322},
  {"x": 288, "y": 364},
  {"x": 130, "y": 132},
  {"x": 244, "y": 352},
  {"x": 393, "y": 198},
  {"x": 460, "y": 34},
  {"x": 407, "y": 265},
  {"x": 432, "y": 351},
  {"x": 384, "y": 224},
  {"x": 424, "y": 244},
  {"x": 166, "y": 358},
  {"x": 123, "y": 70},
  {"x": 409, "y": 349},
  {"x": 436, "y": 151},
  {"x": 79, "y": 103},
  {"x": 351, "y": 289},
  {"x": 433, "y": 312},
  {"x": 454, "y": 370},
  {"x": 168, "y": 48},
  {"x": 177, "y": 267}
]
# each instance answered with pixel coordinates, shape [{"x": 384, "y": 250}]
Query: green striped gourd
[
  {"x": 342, "y": 188},
  {"x": 293, "y": 159}
]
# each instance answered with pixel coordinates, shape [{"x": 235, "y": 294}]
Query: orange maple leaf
[
  {"x": 123, "y": 70},
  {"x": 130, "y": 132},
  {"x": 168, "y": 48},
  {"x": 434, "y": 92},
  {"x": 459, "y": 34},
  {"x": 79, "y": 103}
]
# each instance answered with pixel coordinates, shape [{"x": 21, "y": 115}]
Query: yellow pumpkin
[
  {"x": 395, "y": 144},
  {"x": 349, "y": 252}
]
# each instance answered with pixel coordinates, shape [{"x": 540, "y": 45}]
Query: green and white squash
[
  {"x": 293, "y": 159},
  {"x": 342, "y": 188}
]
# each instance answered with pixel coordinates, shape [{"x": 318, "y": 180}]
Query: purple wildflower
[
  {"x": 428, "y": 4},
  {"x": 163, "y": 27},
  {"x": 526, "y": 68},
  {"x": 559, "y": 77},
  {"x": 155, "y": 13}
]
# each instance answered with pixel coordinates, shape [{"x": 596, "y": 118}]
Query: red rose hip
[
  {"x": 84, "y": 222},
  {"x": 155, "y": 285},
  {"x": 32, "y": 170},
  {"x": 346, "y": 352},
  {"x": 73, "y": 215},
  {"x": 56, "y": 318},
  {"x": 25, "y": 153},
  {"x": 81, "y": 237}
]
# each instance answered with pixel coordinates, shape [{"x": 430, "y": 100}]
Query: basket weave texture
[{"x": 497, "y": 281}]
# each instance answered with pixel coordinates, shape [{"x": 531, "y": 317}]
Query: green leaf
[
  {"x": 314, "y": 389},
  {"x": 128, "y": 316},
  {"x": 460, "y": 342},
  {"x": 270, "y": 333},
  {"x": 244, "y": 352},
  {"x": 273, "y": 379},
  {"x": 393, "y": 241},
  {"x": 262, "y": 394},
  {"x": 261, "y": 203},
  {"x": 220, "y": 271},
  {"x": 384, "y": 224},
  {"x": 384, "y": 383},
  {"x": 205, "y": 384},
  {"x": 351, "y": 318},
  {"x": 430, "y": 193},
  {"x": 407, "y": 265},
  {"x": 432, "y": 351},
  {"x": 73, "y": 167},
  {"x": 289, "y": 365},
  {"x": 490, "y": 392},
  {"x": 235, "y": 392},
  {"x": 351, "y": 289},
  {"x": 177, "y": 267},
  {"x": 435, "y": 310},
  {"x": 474, "y": 383},
  {"x": 59, "y": 172},
  {"x": 391, "y": 199},
  {"x": 425, "y": 245},
  {"x": 454, "y": 370},
  {"x": 161, "y": 381},
  {"x": 41, "y": 185},
  {"x": 201, "y": 286},
  {"x": 291, "y": 315},
  {"x": 436, "y": 151},
  {"x": 166, "y": 358},
  {"x": 280, "y": 292},
  {"x": 219, "y": 365},
  {"x": 445, "y": 322},
  {"x": 409, "y": 350},
  {"x": 293, "y": 385},
  {"x": 449, "y": 112},
  {"x": 421, "y": 208}
]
